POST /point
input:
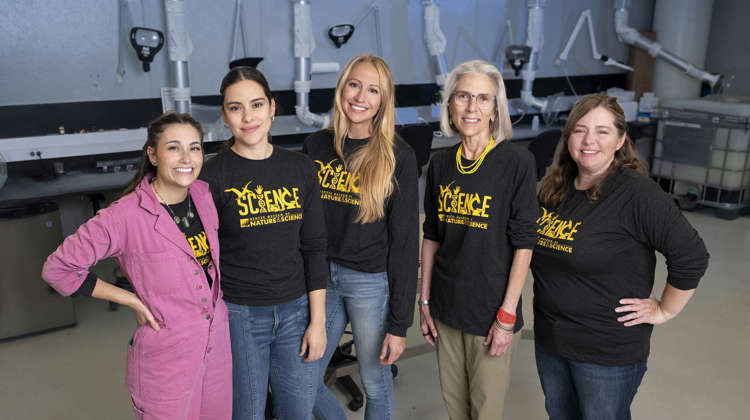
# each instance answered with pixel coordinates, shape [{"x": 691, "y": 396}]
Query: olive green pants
[{"x": 473, "y": 383}]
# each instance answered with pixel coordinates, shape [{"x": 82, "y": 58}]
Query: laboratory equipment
[
  {"x": 146, "y": 42},
  {"x": 27, "y": 304},
  {"x": 704, "y": 144},
  {"x": 607, "y": 61},
  {"x": 339, "y": 34}
]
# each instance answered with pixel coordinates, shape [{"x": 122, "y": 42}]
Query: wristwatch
[{"x": 424, "y": 302}]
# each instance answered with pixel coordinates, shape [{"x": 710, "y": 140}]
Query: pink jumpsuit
[{"x": 184, "y": 370}]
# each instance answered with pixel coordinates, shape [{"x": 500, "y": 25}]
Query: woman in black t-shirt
[
  {"x": 479, "y": 233},
  {"x": 368, "y": 180},
  {"x": 273, "y": 243},
  {"x": 602, "y": 219}
]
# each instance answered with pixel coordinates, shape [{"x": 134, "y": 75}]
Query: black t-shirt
[
  {"x": 194, "y": 233},
  {"x": 388, "y": 245},
  {"x": 271, "y": 226},
  {"x": 478, "y": 220},
  {"x": 589, "y": 256}
]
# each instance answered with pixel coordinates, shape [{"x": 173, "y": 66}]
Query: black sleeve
[
  {"x": 659, "y": 223},
  {"x": 429, "y": 227},
  {"x": 524, "y": 207},
  {"x": 210, "y": 174},
  {"x": 87, "y": 287},
  {"x": 403, "y": 244},
  {"x": 313, "y": 233}
]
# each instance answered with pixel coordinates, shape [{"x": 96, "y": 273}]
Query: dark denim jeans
[
  {"x": 362, "y": 299},
  {"x": 577, "y": 390},
  {"x": 265, "y": 346}
]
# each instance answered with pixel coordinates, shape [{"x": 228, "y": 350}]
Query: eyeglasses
[{"x": 463, "y": 98}]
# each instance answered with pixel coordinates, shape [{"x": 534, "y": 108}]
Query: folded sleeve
[
  {"x": 661, "y": 224},
  {"x": 403, "y": 244},
  {"x": 524, "y": 207},
  {"x": 313, "y": 233},
  {"x": 67, "y": 269}
]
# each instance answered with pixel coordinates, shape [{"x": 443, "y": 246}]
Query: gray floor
[{"x": 698, "y": 367}]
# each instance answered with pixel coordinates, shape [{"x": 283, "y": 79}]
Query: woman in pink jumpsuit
[{"x": 163, "y": 233}]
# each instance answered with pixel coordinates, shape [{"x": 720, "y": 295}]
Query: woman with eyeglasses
[{"x": 479, "y": 232}]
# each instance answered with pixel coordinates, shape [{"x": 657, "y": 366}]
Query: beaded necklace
[
  {"x": 177, "y": 219},
  {"x": 472, "y": 167}
]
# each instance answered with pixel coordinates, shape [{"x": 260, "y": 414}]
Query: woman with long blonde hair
[{"x": 368, "y": 180}]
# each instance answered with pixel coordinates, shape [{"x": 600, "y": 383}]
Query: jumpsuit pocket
[
  {"x": 131, "y": 379},
  {"x": 131, "y": 371},
  {"x": 139, "y": 414},
  {"x": 159, "y": 273},
  {"x": 166, "y": 374}
]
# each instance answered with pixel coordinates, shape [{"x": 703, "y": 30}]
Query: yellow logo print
[
  {"x": 199, "y": 244},
  {"x": 551, "y": 226},
  {"x": 258, "y": 201},
  {"x": 337, "y": 178},
  {"x": 452, "y": 200}
]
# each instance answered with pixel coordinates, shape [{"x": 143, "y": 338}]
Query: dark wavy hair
[
  {"x": 564, "y": 169},
  {"x": 238, "y": 74},
  {"x": 155, "y": 129}
]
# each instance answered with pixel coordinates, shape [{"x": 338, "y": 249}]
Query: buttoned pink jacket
[{"x": 157, "y": 259}]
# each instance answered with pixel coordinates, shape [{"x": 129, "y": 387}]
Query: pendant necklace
[
  {"x": 177, "y": 219},
  {"x": 472, "y": 167}
]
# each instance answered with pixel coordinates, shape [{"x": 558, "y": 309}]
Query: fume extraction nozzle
[
  {"x": 339, "y": 34},
  {"x": 146, "y": 42},
  {"x": 517, "y": 56}
]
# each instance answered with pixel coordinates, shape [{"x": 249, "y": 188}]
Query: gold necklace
[
  {"x": 472, "y": 167},
  {"x": 177, "y": 219}
]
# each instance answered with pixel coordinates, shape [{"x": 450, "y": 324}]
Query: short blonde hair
[{"x": 501, "y": 128}]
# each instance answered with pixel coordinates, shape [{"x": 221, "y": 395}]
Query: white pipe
[
  {"x": 304, "y": 45},
  {"x": 332, "y": 67},
  {"x": 435, "y": 40},
  {"x": 179, "y": 48},
  {"x": 607, "y": 61},
  {"x": 534, "y": 40},
  {"x": 630, "y": 36},
  {"x": 585, "y": 16}
]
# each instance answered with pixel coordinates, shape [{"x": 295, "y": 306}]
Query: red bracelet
[{"x": 505, "y": 317}]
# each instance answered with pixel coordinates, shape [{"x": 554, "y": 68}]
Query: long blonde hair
[
  {"x": 375, "y": 162},
  {"x": 564, "y": 169}
]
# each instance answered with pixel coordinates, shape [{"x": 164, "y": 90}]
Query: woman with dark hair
[
  {"x": 602, "y": 220},
  {"x": 479, "y": 233},
  {"x": 273, "y": 255},
  {"x": 163, "y": 233},
  {"x": 368, "y": 180}
]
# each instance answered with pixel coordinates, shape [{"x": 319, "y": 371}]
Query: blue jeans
[
  {"x": 265, "y": 345},
  {"x": 362, "y": 299},
  {"x": 578, "y": 390}
]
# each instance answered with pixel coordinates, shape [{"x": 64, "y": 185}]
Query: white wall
[
  {"x": 727, "y": 45},
  {"x": 67, "y": 50}
]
